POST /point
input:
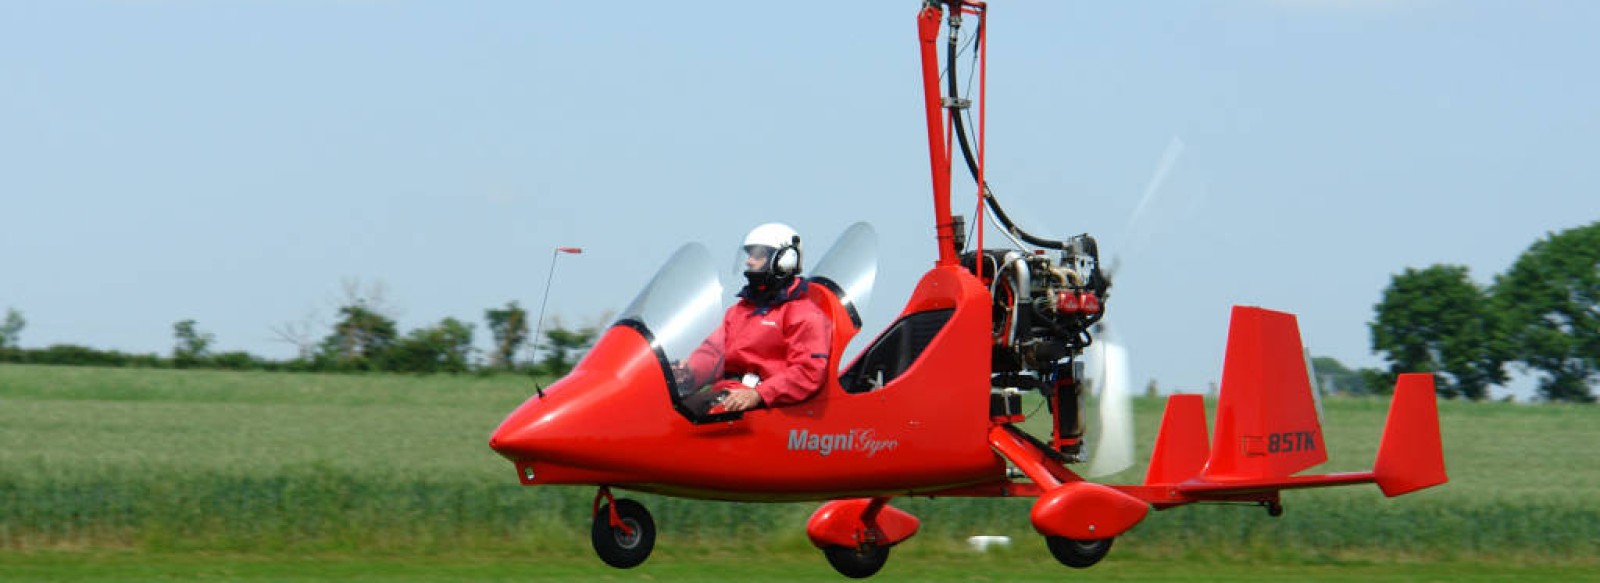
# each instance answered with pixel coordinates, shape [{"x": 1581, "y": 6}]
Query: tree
[
  {"x": 192, "y": 346},
  {"x": 359, "y": 340},
  {"x": 1437, "y": 320},
  {"x": 300, "y": 335},
  {"x": 510, "y": 330},
  {"x": 1334, "y": 377},
  {"x": 563, "y": 347},
  {"x": 1551, "y": 299},
  {"x": 1377, "y": 380},
  {"x": 11, "y": 329},
  {"x": 445, "y": 347},
  {"x": 364, "y": 332}
]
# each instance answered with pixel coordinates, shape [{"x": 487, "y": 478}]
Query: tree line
[
  {"x": 363, "y": 338},
  {"x": 1542, "y": 315}
]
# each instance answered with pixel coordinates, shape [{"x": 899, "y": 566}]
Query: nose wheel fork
[{"x": 623, "y": 533}]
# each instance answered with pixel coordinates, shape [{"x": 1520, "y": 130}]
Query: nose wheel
[
  {"x": 623, "y": 533},
  {"x": 1078, "y": 554}
]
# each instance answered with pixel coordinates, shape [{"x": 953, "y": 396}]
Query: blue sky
[{"x": 235, "y": 162}]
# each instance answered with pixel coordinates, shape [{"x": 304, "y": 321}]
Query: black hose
[{"x": 966, "y": 147}]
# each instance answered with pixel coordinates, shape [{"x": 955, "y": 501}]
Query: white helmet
[{"x": 779, "y": 244}]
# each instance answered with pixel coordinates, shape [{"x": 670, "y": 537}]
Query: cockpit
[{"x": 683, "y": 305}]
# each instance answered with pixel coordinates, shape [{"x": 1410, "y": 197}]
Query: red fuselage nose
[
  {"x": 616, "y": 394},
  {"x": 538, "y": 428}
]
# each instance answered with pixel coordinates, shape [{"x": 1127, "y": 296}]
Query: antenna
[{"x": 538, "y": 330}]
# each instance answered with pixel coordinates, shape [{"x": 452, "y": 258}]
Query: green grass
[
  {"x": 907, "y": 564},
  {"x": 122, "y": 465}
]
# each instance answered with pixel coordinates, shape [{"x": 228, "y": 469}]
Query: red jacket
[{"x": 786, "y": 343}]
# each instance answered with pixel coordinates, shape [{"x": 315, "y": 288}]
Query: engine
[{"x": 1045, "y": 303}]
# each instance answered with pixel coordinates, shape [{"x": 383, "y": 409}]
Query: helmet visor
[{"x": 753, "y": 259}]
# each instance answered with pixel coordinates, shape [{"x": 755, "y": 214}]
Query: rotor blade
[
  {"x": 1169, "y": 158},
  {"x": 1112, "y": 450},
  {"x": 1138, "y": 228}
]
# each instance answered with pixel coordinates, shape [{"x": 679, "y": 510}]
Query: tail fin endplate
[{"x": 1411, "y": 455}]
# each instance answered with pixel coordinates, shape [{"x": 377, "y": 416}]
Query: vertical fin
[
  {"x": 1411, "y": 455},
  {"x": 1181, "y": 446},
  {"x": 1267, "y": 423}
]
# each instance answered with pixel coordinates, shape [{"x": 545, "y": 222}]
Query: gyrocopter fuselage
[{"x": 930, "y": 407}]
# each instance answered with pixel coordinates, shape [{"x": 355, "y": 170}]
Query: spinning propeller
[
  {"x": 1111, "y": 436},
  {"x": 1111, "y": 433}
]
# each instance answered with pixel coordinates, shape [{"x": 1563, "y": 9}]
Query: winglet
[{"x": 1411, "y": 455}]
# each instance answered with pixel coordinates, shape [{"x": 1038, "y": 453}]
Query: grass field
[
  {"x": 907, "y": 565},
  {"x": 126, "y": 472}
]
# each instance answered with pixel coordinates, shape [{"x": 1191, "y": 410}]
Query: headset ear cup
[{"x": 786, "y": 261}]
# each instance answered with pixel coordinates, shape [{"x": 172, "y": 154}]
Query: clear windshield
[
  {"x": 851, "y": 265},
  {"x": 682, "y": 305},
  {"x": 681, "y": 309}
]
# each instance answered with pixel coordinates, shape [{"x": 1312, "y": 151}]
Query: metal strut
[{"x": 611, "y": 508}]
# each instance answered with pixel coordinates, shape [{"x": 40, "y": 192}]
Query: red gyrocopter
[{"x": 930, "y": 407}]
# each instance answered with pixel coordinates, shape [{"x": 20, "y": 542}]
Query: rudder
[{"x": 1267, "y": 424}]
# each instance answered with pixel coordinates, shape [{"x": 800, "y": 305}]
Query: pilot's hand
[{"x": 741, "y": 399}]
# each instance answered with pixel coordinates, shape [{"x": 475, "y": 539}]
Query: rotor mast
[{"x": 941, "y": 110}]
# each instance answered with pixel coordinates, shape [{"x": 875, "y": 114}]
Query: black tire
[
  {"x": 857, "y": 563},
  {"x": 1078, "y": 554},
  {"x": 616, "y": 547}
]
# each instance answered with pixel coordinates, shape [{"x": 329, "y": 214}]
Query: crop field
[{"x": 132, "y": 474}]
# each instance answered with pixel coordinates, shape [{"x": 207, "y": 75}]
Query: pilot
[{"x": 773, "y": 345}]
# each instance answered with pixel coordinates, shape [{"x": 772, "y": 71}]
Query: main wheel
[
  {"x": 857, "y": 563},
  {"x": 614, "y": 545},
  {"x": 1078, "y": 554}
]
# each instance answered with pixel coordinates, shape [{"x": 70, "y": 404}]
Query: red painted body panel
[{"x": 611, "y": 421}]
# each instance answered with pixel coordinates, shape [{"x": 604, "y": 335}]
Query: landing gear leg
[{"x": 623, "y": 533}]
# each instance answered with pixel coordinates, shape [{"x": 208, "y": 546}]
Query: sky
[{"x": 242, "y": 163}]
